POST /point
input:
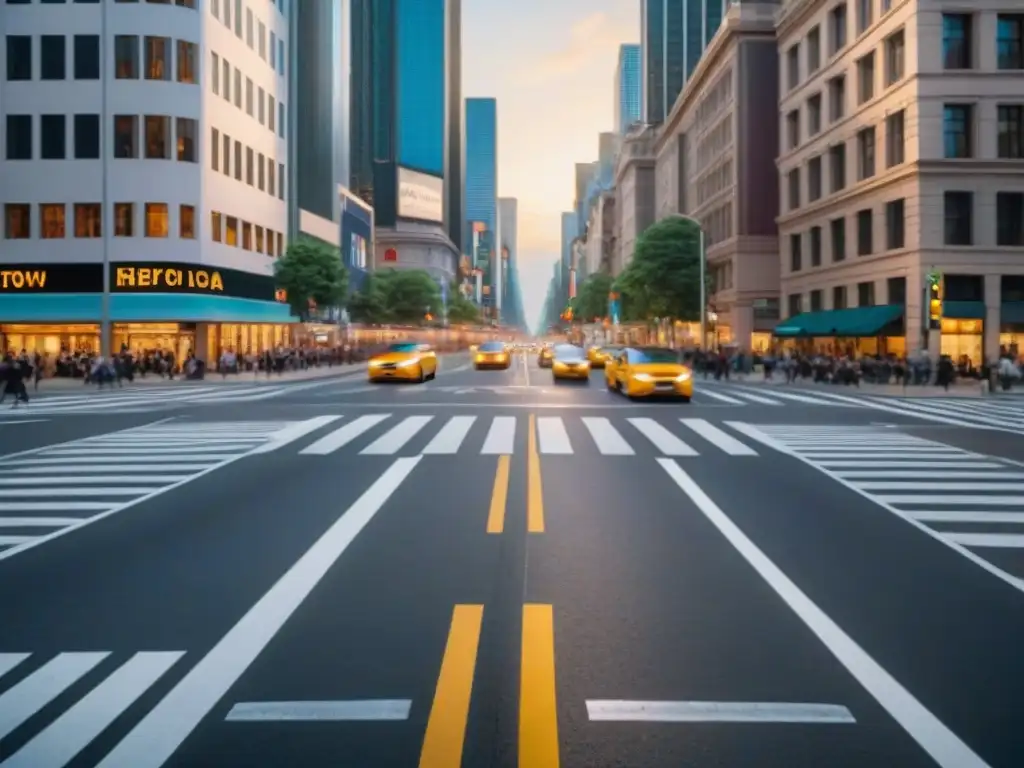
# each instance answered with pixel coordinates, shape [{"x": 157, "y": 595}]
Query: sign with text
[
  {"x": 172, "y": 277},
  {"x": 51, "y": 278},
  {"x": 420, "y": 196}
]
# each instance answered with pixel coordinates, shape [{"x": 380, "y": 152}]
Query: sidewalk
[{"x": 964, "y": 389}]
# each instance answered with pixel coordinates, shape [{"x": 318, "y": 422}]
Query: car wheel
[
  {"x": 684, "y": 398},
  {"x": 422, "y": 376}
]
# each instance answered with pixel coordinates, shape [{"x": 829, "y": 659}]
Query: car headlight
[
  {"x": 407, "y": 363},
  {"x": 684, "y": 376},
  {"x": 479, "y": 358},
  {"x": 642, "y": 376}
]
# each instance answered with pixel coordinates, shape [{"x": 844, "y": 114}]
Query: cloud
[{"x": 590, "y": 38}]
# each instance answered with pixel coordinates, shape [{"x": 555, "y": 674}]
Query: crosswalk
[
  {"x": 384, "y": 434},
  {"x": 972, "y": 501},
  {"x": 46, "y": 492}
]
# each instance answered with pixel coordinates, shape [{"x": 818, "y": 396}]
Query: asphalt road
[{"x": 491, "y": 570}]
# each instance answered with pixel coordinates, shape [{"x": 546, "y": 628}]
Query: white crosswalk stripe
[
  {"x": 501, "y": 437},
  {"x": 608, "y": 440},
  {"x": 448, "y": 440},
  {"x": 54, "y": 489},
  {"x": 974, "y": 503}
]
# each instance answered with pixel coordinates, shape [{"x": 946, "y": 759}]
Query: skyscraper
[
  {"x": 456, "y": 173},
  {"x": 482, "y": 190},
  {"x": 627, "y": 87},
  {"x": 508, "y": 225}
]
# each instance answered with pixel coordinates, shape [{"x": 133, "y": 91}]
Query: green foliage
[
  {"x": 592, "y": 298},
  {"x": 461, "y": 311},
  {"x": 663, "y": 278},
  {"x": 399, "y": 296},
  {"x": 311, "y": 270},
  {"x": 368, "y": 305}
]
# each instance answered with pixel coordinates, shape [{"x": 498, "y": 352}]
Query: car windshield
[
  {"x": 611, "y": 350},
  {"x": 569, "y": 352},
  {"x": 653, "y": 355},
  {"x": 492, "y": 346},
  {"x": 403, "y": 347}
]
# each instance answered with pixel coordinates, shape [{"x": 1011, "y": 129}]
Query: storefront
[
  {"x": 54, "y": 308},
  {"x": 858, "y": 331}
]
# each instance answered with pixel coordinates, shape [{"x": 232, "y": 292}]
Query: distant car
[
  {"x": 404, "y": 361},
  {"x": 570, "y": 363},
  {"x": 647, "y": 371},
  {"x": 492, "y": 354},
  {"x": 545, "y": 357},
  {"x": 599, "y": 356}
]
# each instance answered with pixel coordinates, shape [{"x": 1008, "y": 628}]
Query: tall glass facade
[
  {"x": 627, "y": 88},
  {"x": 421, "y": 71},
  {"x": 481, "y": 165}
]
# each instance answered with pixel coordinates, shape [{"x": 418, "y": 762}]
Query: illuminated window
[
  {"x": 158, "y": 137},
  {"x": 259, "y": 239},
  {"x": 156, "y": 220},
  {"x": 17, "y": 221},
  {"x": 187, "y": 222},
  {"x": 158, "y": 58},
  {"x": 187, "y": 69},
  {"x": 232, "y": 227},
  {"x": 217, "y": 226},
  {"x": 124, "y": 219},
  {"x": 51, "y": 221},
  {"x": 246, "y": 236},
  {"x": 88, "y": 220}
]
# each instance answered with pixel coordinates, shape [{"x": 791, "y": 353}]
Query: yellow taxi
[
  {"x": 647, "y": 371},
  {"x": 545, "y": 357},
  {"x": 404, "y": 361},
  {"x": 492, "y": 354},
  {"x": 599, "y": 356},
  {"x": 570, "y": 363}
]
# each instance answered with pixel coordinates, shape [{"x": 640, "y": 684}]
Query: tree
[
  {"x": 368, "y": 305},
  {"x": 402, "y": 296},
  {"x": 592, "y": 298},
  {"x": 461, "y": 311},
  {"x": 311, "y": 271},
  {"x": 663, "y": 278}
]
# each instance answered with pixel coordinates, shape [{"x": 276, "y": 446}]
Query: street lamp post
[{"x": 703, "y": 277}]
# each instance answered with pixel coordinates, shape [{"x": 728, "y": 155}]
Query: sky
[{"x": 551, "y": 66}]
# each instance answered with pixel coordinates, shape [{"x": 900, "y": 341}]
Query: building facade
[
  {"x": 627, "y": 88},
  {"x": 716, "y": 163},
  {"x": 902, "y": 149},
  {"x": 100, "y": 100},
  {"x": 634, "y": 193},
  {"x": 508, "y": 225},
  {"x": 481, "y": 211}
]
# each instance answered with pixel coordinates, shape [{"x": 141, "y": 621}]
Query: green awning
[
  {"x": 964, "y": 310},
  {"x": 860, "y": 322}
]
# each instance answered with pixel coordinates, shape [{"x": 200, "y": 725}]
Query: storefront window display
[{"x": 963, "y": 338}]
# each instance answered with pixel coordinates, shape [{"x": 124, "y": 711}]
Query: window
[
  {"x": 270, "y": 176},
  {"x": 1010, "y": 131},
  {"x": 814, "y": 179},
  {"x": 1010, "y": 41},
  {"x": 126, "y": 57},
  {"x": 216, "y": 226},
  {"x": 188, "y": 56},
  {"x": 270, "y": 112},
  {"x": 238, "y": 18},
  {"x": 793, "y": 187},
  {"x": 895, "y": 139},
  {"x": 232, "y": 231},
  {"x": 865, "y": 153},
  {"x": 837, "y": 167},
  {"x": 186, "y": 131},
  {"x": 227, "y": 13},
  {"x": 896, "y": 290},
  {"x": 238, "y": 88},
  {"x": 262, "y": 40},
  {"x": 837, "y": 29},
  {"x": 226, "y": 80},
  {"x": 238, "y": 160},
  {"x": 814, "y": 115},
  {"x": 895, "y": 57},
  {"x": 895, "y": 224},
  {"x": 88, "y": 220},
  {"x": 280, "y": 182},
  {"x": 837, "y": 98},
  {"x": 957, "y": 31},
  {"x": 156, "y": 220},
  {"x": 816, "y": 303},
  {"x": 250, "y": 162},
  {"x": 87, "y": 137},
  {"x": 793, "y": 66},
  {"x": 51, "y": 221},
  {"x": 795, "y": 253},
  {"x": 837, "y": 236},
  {"x": 214, "y": 149},
  {"x": 246, "y": 236},
  {"x": 260, "y": 106},
  {"x": 52, "y": 65},
  {"x": 865, "y": 15},
  {"x": 866, "y": 294},
  {"x": 17, "y": 221},
  {"x": 865, "y": 232},
  {"x": 280, "y": 244},
  {"x": 958, "y": 212},
  {"x": 226, "y": 155},
  {"x": 248, "y": 27},
  {"x": 158, "y": 58},
  {"x": 19, "y": 57},
  {"x": 814, "y": 50},
  {"x": 87, "y": 57},
  {"x": 1010, "y": 218},
  {"x": 270, "y": 242},
  {"x": 957, "y": 129},
  {"x": 124, "y": 219},
  {"x": 261, "y": 176},
  {"x": 280, "y": 119},
  {"x": 259, "y": 238},
  {"x": 793, "y": 129},
  {"x": 866, "y": 78},
  {"x": 248, "y": 97},
  {"x": 215, "y": 72},
  {"x": 815, "y": 240},
  {"x": 187, "y": 222},
  {"x": 158, "y": 137},
  {"x": 126, "y": 136},
  {"x": 19, "y": 137},
  {"x": 794, "y": 304},
  {"x": 839, "y": 297},
  {"x": 280, "y": 57},
  {"x": 53, "y": 139}
]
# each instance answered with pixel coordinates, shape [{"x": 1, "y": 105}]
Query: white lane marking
[
  {"x": 727, "y": 443},
  {"x": 51, "y": 493},
  {"x": 720, "y": 397},
  {"x": 939, "y": 485},
  {"x": 883, "y": 474},
  {"x": 449, "y": 439},
  {"x": 797, "y": 398},
  {"x": 69, "y": 734},
  {"x": 92, "y": 479},
  {"x": 13, "y": 541},
  {"x": 662, "y": 439},
  {"x": 392, "y": 441},
  {"x": 24, "y": 421},
  {"x": 99, "y": 464},
  {"x": 344, "y": 434},
  {"x": 966, "y": 516},
  {"x": 184, "y": 450},
  {"x": 159, "y": 734},
  {"x": 295, "y": 432},
  {"x": 67, "y": 443},
  {"x": 9, "y": 661},
  {"x": 900, "y": 464},
  {"x": 907, "y": 516},
  {"x": 320, "y": 711},
  {"x": 919, "y": 454},
  {"x": 501, "y": 437},
  {"x": 716, "y": 712},
  {"x": 552, "y": 436},
  {"x": 1005, "y": 540},
  {"x": 952, "y": 499},
  {"x": 52, "y": 506},
  {"x": 759, "y": 399},
  {"x": 23, "y": 700},
  {"x": 36, "y": 522},
  {"x": 926, "y": 729},
  {"x": 607, "y": 438}
]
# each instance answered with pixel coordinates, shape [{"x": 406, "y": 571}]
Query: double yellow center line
[{"x": 534, "y": 488}]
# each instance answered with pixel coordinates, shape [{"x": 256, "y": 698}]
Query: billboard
[
  {"x": 420, "y": 196},
  {"x": 356, "y": 234}
]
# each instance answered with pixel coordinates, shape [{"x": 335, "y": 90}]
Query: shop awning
[
  {"x": 143, "y": 307},
  {"x": 964, "y": 310},
  {"x": 860, "y": 322}
]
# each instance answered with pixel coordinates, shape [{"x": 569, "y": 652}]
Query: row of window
[
  {"x": 230, "y": 230},
  {"x": 161, "y": 137},
  {"x": 259, "y": 39},
  {"x": 150, "y": 57},
  {"x": 264, "y": 107},
  {"x": 959, "y": 133},
  {"x": 896, "y": 290},
  {"x": 88, "y": 220},
  {"x": 257, "y": 170}
]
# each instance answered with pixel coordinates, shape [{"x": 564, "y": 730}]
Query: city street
[{"x": 491, "y": 569}]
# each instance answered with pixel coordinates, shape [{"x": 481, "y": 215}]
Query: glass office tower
[{"x": 627, "y": 87}]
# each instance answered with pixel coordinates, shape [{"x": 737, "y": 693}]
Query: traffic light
[{"x": 934, "y": 301}]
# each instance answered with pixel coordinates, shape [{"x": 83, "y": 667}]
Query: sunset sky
[{"x": 551, "y": 67}]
